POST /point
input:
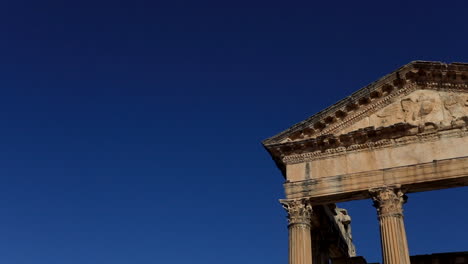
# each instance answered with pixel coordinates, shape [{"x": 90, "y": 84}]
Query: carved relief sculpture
[
  {"x": 299, "y": 211},
  {"x": 388, "y": 201}
]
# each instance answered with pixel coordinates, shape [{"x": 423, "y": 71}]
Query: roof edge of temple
[{"x": 415, "y": 71}]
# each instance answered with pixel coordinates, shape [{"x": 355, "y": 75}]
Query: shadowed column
[
  {"x": 389, "y": 203},
  {"x": 299, "y": 217}
]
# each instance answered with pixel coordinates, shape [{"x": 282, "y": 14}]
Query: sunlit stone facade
[{"x": 405, "y": 133}]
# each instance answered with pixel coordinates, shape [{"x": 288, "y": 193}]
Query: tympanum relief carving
[{"x": 420, "y": 108}]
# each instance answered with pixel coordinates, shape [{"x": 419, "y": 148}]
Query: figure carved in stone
[
  {"x": 391, "y": 115},
  {"x": 344, "y": 220},
  {"x": 410, "y": 109},
  {"x": 422, "y": 107},
  {"x": 456, "y": 105}
]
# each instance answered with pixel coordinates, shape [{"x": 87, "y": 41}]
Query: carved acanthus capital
[
  {"x": 299, "y": 211},
  {"x": 388, "y": 200}
]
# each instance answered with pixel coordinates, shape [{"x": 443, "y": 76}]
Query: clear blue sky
[{"x": 130, "y": 130}]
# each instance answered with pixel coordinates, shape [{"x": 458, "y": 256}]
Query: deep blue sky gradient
[{"x": 130, "y": 130}]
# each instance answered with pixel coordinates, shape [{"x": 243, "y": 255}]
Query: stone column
[
  {"x": 299, "y": 217},
  {"x": 389, "y": 203}
]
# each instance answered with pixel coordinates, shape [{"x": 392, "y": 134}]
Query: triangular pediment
[{"x": 417, "y": 94}]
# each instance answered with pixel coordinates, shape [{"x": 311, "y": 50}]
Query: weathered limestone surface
[
  {"x": 418, "y": 108},
  {"x": 403, "y": 151},
  {"x": 407, "y": 132},
  {"x": 410, "y": 128},
  {"x": 414, "y": 178}
]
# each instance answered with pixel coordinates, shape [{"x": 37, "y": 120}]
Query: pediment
[
  {"x": 417, "y": 94},
  {"x": 418, "y": 99}
]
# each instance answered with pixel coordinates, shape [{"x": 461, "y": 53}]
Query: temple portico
[{"x": 405, "y": 133}]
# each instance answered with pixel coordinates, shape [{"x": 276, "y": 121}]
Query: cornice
[{"x": 365, "y": 139}]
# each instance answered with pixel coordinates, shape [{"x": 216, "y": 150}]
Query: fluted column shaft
[
  {"x": 389, "y": 203},
  {"x": 299, "y": 217}
]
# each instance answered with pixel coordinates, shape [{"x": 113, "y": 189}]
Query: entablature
[{"x": 369, "y": 138}]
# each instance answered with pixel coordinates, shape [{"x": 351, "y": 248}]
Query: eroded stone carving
[
  {"x": 299, "y": 211},
  {"x": 391, "y": 115},
  {"x": 344, "y": 220},
  {"x": 455, "y": 104},
  {"x": 388, "y": 200},
  {"x": 421, "y": 108}
]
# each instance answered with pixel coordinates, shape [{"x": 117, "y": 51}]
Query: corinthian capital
[
  {"x": 299, "y": 211},
  {"x": 388, "y": 200}
]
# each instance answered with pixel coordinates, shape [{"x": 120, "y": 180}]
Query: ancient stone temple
[{"x": 405, "y": 133}]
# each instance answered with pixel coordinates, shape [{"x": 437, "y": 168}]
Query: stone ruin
[{"x": 405, "y": 133}]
